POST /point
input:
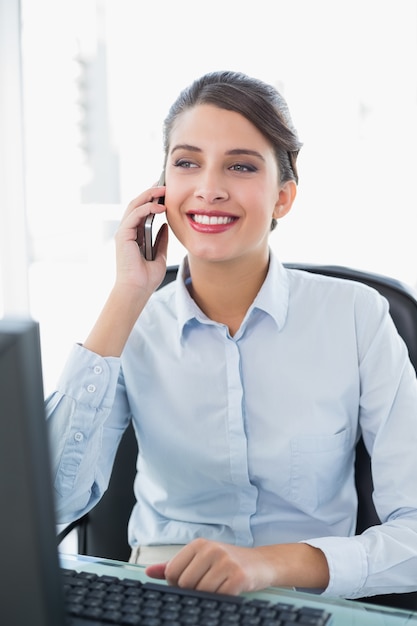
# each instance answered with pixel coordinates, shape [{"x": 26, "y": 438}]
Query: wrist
[
  {"x": 296, "y": 565},
  {"x": 130, "y": 298},
  {"x": 116, "y": 321}
]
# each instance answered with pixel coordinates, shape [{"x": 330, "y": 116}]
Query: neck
[{"x": 225, "y": 291}]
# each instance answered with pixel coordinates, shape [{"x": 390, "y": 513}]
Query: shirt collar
[{"x": 272, "y": 297}]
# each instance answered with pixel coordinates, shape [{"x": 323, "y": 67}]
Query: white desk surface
[{"x": 345, "y": 612}]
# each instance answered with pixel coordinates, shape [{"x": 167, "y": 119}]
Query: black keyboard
[{"x": 98, "y": 599}]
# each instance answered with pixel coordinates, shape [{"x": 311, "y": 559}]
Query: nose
[{"x": 211, "y": 187}]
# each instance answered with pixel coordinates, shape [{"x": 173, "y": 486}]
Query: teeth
[{"x": 212, "y": 219}]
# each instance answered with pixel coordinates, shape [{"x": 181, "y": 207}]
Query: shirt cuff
[
  {"x": 89, "y": 378},
  {"x": 348, "y": 565}
]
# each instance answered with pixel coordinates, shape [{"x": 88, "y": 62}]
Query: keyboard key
[{"x": 123, "y": 602}]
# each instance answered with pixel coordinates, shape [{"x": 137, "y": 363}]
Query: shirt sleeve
[
  {"x": 86, "y": 415},
  {"x": 383, "y": 559}
]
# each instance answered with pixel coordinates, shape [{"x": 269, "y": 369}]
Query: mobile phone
[{"x": 149, "y": 251}]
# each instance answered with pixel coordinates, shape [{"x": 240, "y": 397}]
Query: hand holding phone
[{"x": 149, "y": 251}]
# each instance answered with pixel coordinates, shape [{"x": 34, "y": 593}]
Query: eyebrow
[{"x": 234, "y": 152}]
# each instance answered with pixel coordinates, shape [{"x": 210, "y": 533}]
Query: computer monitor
[{"x": 30, "y": 586}]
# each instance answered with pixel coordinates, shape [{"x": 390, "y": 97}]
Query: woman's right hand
[
  {"x": 132, "y": 269},
  {"x": 136, "y": 278}
]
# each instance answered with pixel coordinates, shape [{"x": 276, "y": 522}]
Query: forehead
[{"x": 205, "y": 125}]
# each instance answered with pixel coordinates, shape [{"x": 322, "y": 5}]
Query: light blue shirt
[{"x": 250, "y": 439}]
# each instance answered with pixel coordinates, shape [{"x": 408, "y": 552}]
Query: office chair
[{"x": 103, "y": 531}]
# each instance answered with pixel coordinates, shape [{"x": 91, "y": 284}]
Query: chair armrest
[{"x": 79, "y": 524}]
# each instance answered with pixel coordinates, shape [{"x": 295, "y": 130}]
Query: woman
[{"x": 248, "y": 384}]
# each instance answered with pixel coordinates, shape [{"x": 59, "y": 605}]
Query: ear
[{"x": 286, "y": 197}]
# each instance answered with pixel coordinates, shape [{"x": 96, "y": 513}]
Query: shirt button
[
  {"x": 78, "y": 436},
  {"x": 97, "y": 369},
  {"x": 91, "y": 388}
]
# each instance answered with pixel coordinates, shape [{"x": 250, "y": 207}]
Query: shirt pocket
[{"x": 320, "y": 465}]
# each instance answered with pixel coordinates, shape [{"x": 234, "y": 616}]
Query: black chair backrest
[
  {"x": 103, "y": 531},
  {"x": 402, "y": 298}
]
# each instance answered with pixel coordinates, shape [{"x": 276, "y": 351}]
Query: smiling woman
[
  {"x": 220, "y": 350},
  {"x": 258, "y": 429}
]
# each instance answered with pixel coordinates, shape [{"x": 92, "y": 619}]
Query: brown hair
[{"x": 257, "y": 101}]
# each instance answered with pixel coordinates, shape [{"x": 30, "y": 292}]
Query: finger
[
  {"x": 190, "y": 565},
  {"x": 158, "y": 193},
  {"x": 156, "y": 570},
  {"x": 134, "y": 214},
  {"x": 132, "y": 225},
  {"x": 179, "y": 563},
  {"x": 212, "y": 580},
  {"x": 149, "y": 196},
  {"x": 209, "y": 566},
  {"x": 144, "y": 198},
  {"x": 193, "y": 575}
]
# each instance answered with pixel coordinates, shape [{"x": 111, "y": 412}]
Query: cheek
[
  {"x": 173, "y": 198},
  {"x": 260, "y": 205},
  {"x": 172, "y": 215}
]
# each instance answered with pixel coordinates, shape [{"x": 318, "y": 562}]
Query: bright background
[{"x": 98, "y": 77}]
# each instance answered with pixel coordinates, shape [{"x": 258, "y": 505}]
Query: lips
[{"x": 207, "y": 222}]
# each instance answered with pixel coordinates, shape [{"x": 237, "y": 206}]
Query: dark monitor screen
[{"x": 28, "y": 554}]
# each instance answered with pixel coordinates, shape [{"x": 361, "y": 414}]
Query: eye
[
  {"x": 243, "y": 167},
  {"x": 184, "y": 163}
]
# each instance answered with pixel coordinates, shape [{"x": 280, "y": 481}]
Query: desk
[{"x": 345, "y": 612}]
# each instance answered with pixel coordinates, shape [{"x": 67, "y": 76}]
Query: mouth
[
  {"x": 212, "y": 220},
  {"x": 208, "y": 223}
]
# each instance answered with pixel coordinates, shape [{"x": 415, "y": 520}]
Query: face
[{"x": 222, "y": 185}]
